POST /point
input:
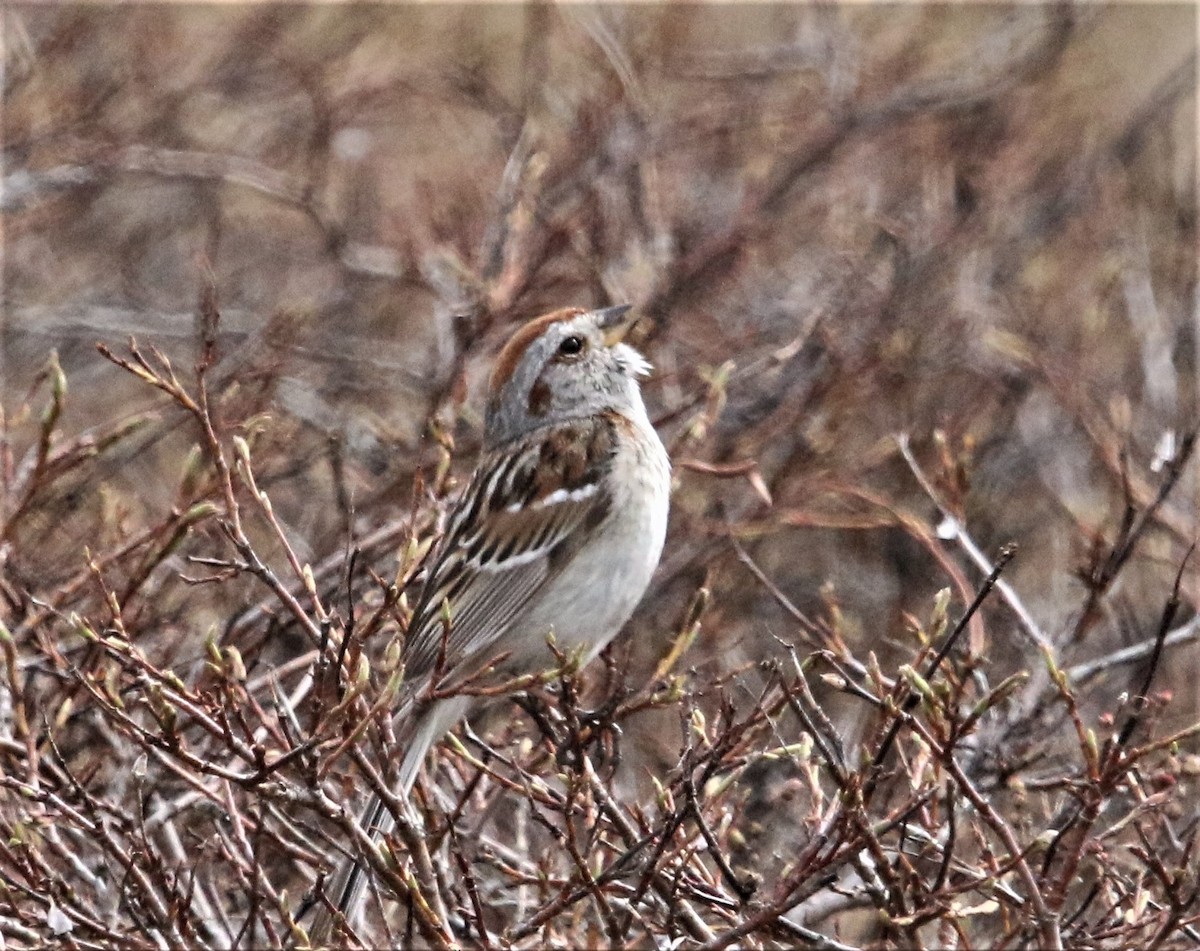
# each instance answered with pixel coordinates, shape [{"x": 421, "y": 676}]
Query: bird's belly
[{"x": 590, "y": 601}]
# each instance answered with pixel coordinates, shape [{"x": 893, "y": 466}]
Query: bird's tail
[{"x": 349, "y": 884}]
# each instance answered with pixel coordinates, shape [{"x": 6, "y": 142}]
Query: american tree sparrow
[{"x": 558, "y": 531}]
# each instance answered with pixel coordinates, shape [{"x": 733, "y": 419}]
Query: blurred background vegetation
[
  {"x": 974, "y": 225},
  {"x": 863, "y": 220}
]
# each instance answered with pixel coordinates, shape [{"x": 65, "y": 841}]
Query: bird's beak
[{"x": 614, "y": 323}]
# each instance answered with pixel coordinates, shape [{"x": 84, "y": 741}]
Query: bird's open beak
[{"x": 614, "y": 323}]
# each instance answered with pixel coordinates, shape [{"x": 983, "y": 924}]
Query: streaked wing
[{"x": 527, "y": 510}]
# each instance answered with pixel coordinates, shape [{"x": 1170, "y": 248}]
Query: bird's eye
[{"x": 572, "y": 346}]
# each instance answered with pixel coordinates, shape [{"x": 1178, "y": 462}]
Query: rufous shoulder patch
[{"x": 518, "y": 343}]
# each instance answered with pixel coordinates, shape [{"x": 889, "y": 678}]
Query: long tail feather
[{"x": 350, "y": 882}]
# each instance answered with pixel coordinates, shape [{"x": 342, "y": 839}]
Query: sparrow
[{"x": 557, "y": 534}]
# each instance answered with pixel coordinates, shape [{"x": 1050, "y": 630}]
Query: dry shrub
[{"x": 919, "y": 284}]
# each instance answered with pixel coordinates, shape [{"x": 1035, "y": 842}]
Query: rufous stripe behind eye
[{"x": 518, "y": 343}]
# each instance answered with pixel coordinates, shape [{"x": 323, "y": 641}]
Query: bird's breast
[{"x": 593, "y": 597}]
